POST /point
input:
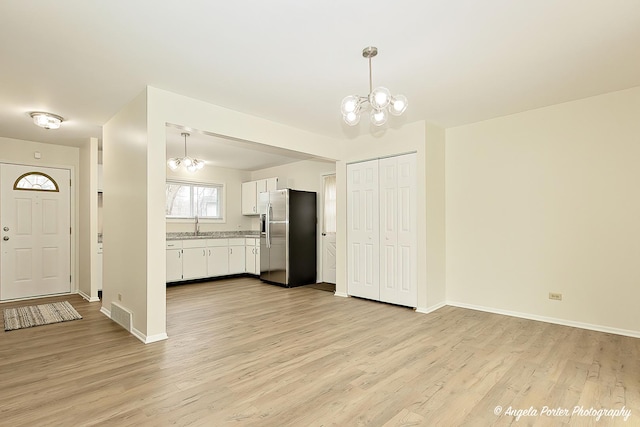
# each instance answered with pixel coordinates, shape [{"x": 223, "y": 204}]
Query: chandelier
[
  {"x": 379, "y": 100},
  {"x": 46, "y": 120},
  {"x": 189, "y": 163}
]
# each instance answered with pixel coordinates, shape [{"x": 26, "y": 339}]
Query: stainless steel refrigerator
[{"x": 288, "y": 238}]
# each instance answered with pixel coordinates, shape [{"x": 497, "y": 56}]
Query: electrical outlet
[
  {"x": 555, "y": 296},
  {"x": 120, "y": 297}
]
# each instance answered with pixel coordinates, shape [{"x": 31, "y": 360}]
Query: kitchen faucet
[{"x": 197, "y": 226}]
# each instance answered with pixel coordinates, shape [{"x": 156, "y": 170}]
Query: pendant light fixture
[
  {"x": 189, "y": 163},
  {"x": 379, "y": 100},
  {"x": 46, "y": 120}
]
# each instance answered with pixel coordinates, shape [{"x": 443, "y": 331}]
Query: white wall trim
[
  {"x": 148, "y": 339},
  {"x": 136, "y": 333},
  {"x": 87, "y": 297},
  {"x": 563, "y": 322},
  {"x": 431, "y": 309},
  {"x": 340, "y": 294}
]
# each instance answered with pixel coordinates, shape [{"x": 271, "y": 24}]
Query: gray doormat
[{"x": 37, "y": 315}]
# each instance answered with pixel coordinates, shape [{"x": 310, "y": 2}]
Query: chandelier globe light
[
  {"x": 189, "y": 163},
  {"x": 46, "y": 120},
  {"x": 379, "y": 101}
]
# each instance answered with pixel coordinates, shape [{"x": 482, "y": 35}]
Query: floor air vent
[{"x": 121, "y": 316}]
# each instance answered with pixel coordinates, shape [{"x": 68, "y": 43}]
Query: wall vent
[{"x": 121, "y": 316}]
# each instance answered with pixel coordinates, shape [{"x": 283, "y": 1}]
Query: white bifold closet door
[
  {"x": 363, "y": 230},
  {"x": 381, "y": 215}
]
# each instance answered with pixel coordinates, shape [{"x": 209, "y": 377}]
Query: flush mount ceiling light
[
  {"x": 46, "y": 120},
  {"x": 189, "y": 163},
  {"x": 379, "y": 100}
]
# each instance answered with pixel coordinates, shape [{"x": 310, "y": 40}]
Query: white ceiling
[{"x": 458, "y": 61}]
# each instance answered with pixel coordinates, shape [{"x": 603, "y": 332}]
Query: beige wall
[
  {"x": 435, "y": 288},
  {"x": 129, "y": 256},
  {"x": 547, "y": 201},
  {"x": 304, "y": 175},
  {"x": 232, "y": 180},
  {"x": 88, "y": 220},
  {"x": 22, "y": 152}
]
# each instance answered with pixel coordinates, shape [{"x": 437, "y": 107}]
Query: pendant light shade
[
  {"x": 379, "y": 101},
  {"x": 189, "y": 163}
]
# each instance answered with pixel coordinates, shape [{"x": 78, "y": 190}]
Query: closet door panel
[
  {"x": 398, "y": 231},
  {"x": 363, "y": 230},
  {"x": 406, "y": 262},
  {"x": 388, "y": 228}
]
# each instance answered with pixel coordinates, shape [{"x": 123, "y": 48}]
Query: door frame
[
  {"x": 73, "y": 220},
  {"x": 320, "y": 225}
]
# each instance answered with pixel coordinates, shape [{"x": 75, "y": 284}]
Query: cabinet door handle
[
  {"x": 231, "y": 251},
  {"x": 203, "y": 252},
  {"x": 179, "y": 252},
  {"x": 209, "y": 252}
]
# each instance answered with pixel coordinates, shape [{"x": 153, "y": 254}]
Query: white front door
[
  {"x": 36, "y": 231},
  {"x": 363, "y": 230},
  {"x": 329, "y": 229}
]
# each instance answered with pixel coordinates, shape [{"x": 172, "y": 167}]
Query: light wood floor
[{"x": 245, "y": 353}]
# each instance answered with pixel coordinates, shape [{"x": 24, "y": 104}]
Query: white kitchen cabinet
[
  {"x": 381, "y": 234},
  {"x": 252, "y": 254},
  {"x": 249, "y": 198},
  {"x": 174, "y": 261},
  {"x": 194, "y": 259},
  {"x": 251, "y": 194},
  {"x": 236, "y": 256},
  {"x": 218, "y": 257},
  {"x": 202, "y": 258}
]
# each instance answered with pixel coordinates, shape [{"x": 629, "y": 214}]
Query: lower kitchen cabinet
[
  {"x": 194, "y": 263},
  {"x": 201, "y": 258},
  {"x": 174, "y": 261},
  {"x": 252, "y": 254},
  {"x": 236, "y": 256},
  {"x": 218, "y": 257}
]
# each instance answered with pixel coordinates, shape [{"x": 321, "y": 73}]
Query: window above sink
[{"x": 186, "y": 200}]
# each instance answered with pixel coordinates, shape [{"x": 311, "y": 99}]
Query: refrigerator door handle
[{"x": 268, "y": 225}]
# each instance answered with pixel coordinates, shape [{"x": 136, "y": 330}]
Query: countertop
[
  {"x": 212, "y": 235},
  {"x": 207, "y": 235}
]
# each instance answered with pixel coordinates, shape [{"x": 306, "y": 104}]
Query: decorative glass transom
[{"x": 35, "y": 181}]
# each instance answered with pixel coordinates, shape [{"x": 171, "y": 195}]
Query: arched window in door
[{"x": 35, "y": 181}]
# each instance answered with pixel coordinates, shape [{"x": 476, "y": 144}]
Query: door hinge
[
  {"x": 69, "y": 183},
  {"x": 69, "y": 230},
  {"x": 69, "y": 278}
]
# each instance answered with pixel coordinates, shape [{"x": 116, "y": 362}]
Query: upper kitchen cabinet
[{"x": 251, "y": 193}]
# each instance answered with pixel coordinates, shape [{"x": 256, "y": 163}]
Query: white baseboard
[
  {"x": 87, "y": 297},
  {"x": 340, "y": 294},
  {"x": 431, "y": 309},
  {"x": 563, "y": 322},
  {"x": 136, "y": 333},
  {"x": 148, "y": 339}
]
